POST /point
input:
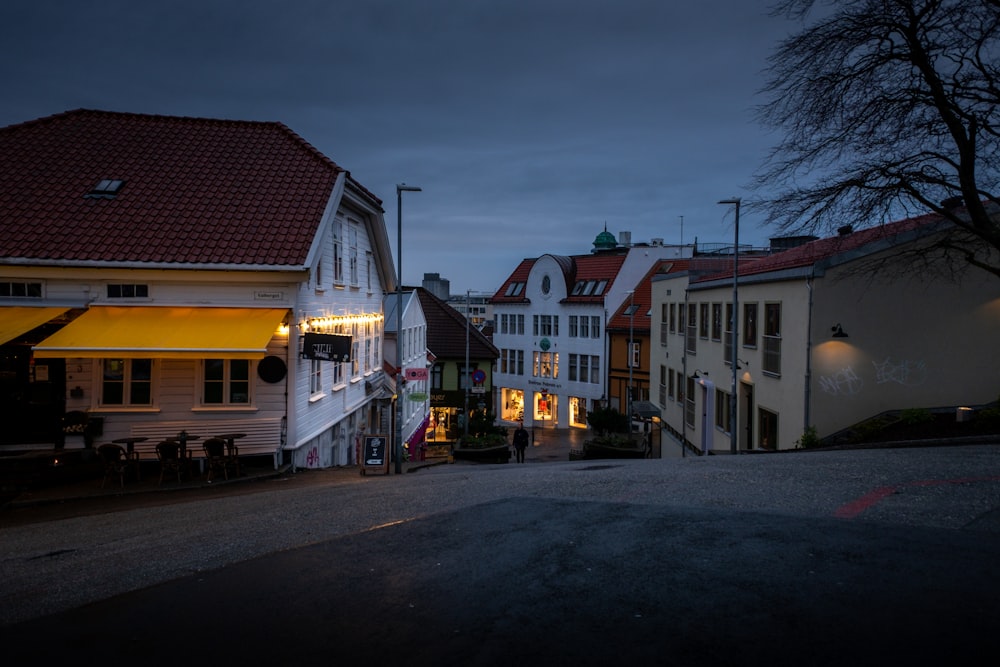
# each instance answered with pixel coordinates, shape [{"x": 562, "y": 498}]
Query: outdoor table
[
  {"x": 184, "y": 438},
  {"x": 129, "y": 443}
]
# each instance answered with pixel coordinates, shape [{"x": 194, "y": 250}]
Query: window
[
  {"x": 514, "y": 289},
  {"x": 663, "y": 325},
  {"x": 673, "y": 317},
  {"x": 315, "y": 376},
  {"x": 716, "y": 321},
  {"x": 691, "y": 345},
  {"x": 689, "y": 407},
  {"x": 703, "y": 321},
  {"x": 634, "y": 355},
  {"x": 106, "y": 189},
  {"x": 595, "y": 326},
  {"x": 545, "y": 364},
  {"x": 353, "y": 253},
  {"x": 663, "y": 386},
  {"x": 226, "y": 382},
  {"x": 595, "y": 369},
  {"x": 437, "y": 376},
  {"x": 767, "y": 434},
  {"x": 574, "y": 361},
  {"x": 722, "y": 410},
  {"x": 128, "y": 291},
  {"x": 127, "y": 382},
  {"x": 574, "y": 330},
  {"x": 750, "y": 324},
  {"x": 584, "y": 327},
  {"x": 465, "y": 375},
  {"x": 772, "y": 338},
  {"x": 338, "y": 252},
  {"x": 20, "y": 290}
]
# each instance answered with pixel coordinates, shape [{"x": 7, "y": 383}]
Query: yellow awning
[
  {"x": 136, "y": 332},
  {"x": 15, "y": 320}
]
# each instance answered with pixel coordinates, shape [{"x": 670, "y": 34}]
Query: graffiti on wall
[
  {"x": 844, "y": 382},
  {"x": 312, "y": 458},
  {"x": 906, "y": 372}
]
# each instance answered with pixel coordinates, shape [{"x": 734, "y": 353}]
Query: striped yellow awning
[
  {"x": 136, "y": 332},
  {"x": 16, "y": 320}
]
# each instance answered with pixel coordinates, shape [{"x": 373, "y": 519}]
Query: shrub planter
[
  {"x": 482, "y": 454},
  {"x": 613, "y": 448}
]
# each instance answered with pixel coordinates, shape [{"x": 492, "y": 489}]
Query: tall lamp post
[
  {"x": 735, "y": 324},
  {"x": 468, "y": 381},
  {"x": 630, "y": 348},
  {"x": 398, "y": 444}
]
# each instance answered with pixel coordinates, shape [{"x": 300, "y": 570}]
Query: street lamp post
[
  {"x": 398, "y": 444},
  {"x": 468, "y": 381},
  {"x": 735, "y": 323},
  {"x": 630, "y": 359}
]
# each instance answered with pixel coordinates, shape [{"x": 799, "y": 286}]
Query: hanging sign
[
  {"x": 416, "y": 373},
  {"x": 327, "y": 347}
]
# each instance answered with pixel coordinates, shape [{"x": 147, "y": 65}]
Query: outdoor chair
[
  {"x": 217, "y": 457},
  {"x": 171, "y": 460},
  {"x": 117, "y": 463}
]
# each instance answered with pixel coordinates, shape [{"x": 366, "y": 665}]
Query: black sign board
[
  {"x": 328, "y": 347},
  {"x": 375, "y": 453}
]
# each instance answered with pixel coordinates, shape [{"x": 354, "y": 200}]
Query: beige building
[{"x": 821, "y": 341}]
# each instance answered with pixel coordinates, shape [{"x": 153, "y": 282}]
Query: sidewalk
[
  {"x": 79, "y": 479},
  {"x": 83, "y": 480}
]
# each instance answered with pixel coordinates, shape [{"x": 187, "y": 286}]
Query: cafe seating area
[{"x": 118, "y": 463}]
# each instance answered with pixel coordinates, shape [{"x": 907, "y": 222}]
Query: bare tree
[{"x": 887, "y": 108}]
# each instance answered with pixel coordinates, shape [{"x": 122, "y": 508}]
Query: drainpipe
[
  {"x": 808, "y": 388},
  {"x": 684, "y": 370}
]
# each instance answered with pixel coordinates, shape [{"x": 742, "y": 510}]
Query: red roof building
[{"x": 194, "y": 274}]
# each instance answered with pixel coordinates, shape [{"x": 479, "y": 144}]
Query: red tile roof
[
  {"x": 196, "y": 191},
  {"x": 446, "y": 331},
  {"x": 813, "y": 252},
  {"x": 600, "y": 266}
]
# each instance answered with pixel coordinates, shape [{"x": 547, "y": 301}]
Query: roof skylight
[{"x": 106, "y": 189}]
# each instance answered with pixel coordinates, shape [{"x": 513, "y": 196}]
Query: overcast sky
[{"x": 529, "y": 124}]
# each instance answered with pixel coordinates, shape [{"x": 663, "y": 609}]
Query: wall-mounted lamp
[
  {"x": 740, "y": 363},
  {"x": 698, "y": 374},
  {"x": 838, "y": 331}
]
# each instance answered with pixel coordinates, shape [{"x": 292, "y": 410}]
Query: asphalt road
[{"x": 817, "y": 558}]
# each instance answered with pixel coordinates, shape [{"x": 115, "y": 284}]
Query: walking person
[{"x": 520, "y": 442}]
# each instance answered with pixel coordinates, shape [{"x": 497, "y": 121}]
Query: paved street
[{"x": 850, "y": 557}]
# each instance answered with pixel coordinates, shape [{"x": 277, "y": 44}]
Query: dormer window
[
  {"x": 514, "y": 289},
  {"x": 106, "y": 189}
]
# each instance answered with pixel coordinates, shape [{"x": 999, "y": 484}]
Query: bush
[
  {"x": 869, "y": 430},
  {"x": 915, "y": 416},
  {"x": 608, "y": 420},
  {"x": 809, "y": 438}
]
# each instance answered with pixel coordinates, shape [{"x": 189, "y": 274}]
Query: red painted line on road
[{"x": 856, "y": 507}]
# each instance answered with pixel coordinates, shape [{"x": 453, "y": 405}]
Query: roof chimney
[{"x": 625, "y": 238}]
